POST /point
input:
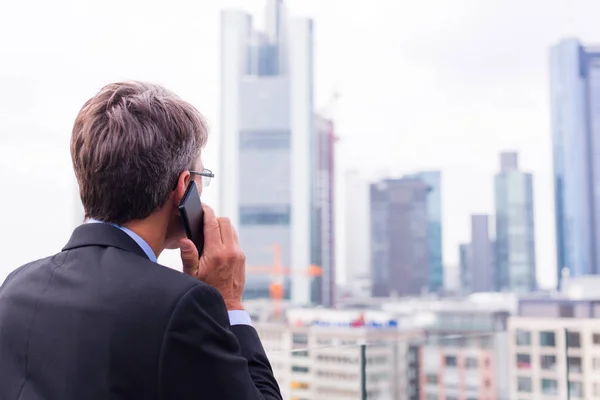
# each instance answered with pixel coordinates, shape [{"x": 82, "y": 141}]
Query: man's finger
[
  {"x": 189, "y": 257},
  {"x": 212, "y": 233},
  {"x": 227, "y": 235},
  {"x": 236, "y": 240}
]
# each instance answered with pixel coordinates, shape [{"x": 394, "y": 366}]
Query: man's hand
[{"x": 223, "y": 263}]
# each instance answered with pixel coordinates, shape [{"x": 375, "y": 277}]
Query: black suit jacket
[{"x": 101, "y": 321}]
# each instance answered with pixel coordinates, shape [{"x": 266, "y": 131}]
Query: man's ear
[{"x": 182, "y": 184}]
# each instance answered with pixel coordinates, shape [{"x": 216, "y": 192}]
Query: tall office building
[
  {"x": 267, "y": 143},
  {"x": 434, "y": 228},
  {"x": 358, "y": 234},
  {"x": 575, "y": 103},
  {"x": 399, "y": 237},
  {"x": 477, "y": 258},
  {"x": 323, "y": 234},
  {"x": 515, "y": 238}
]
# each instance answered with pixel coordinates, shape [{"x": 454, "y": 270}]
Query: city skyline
[{"x": 423, "y": 94}]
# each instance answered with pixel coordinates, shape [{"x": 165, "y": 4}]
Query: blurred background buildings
[{"x": 426, "y": 282}]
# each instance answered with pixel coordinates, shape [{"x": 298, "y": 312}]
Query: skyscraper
[
  {"x": 399, "y": 241},
  {"x": 323, "y": 234},
  {"x": 515, "y": 239},
  {"x": 267, "y": 143},
  {"x": 477, "y": 258},
  {"x": 575, "y": 103},
  {"x": 434, "y": 228}
]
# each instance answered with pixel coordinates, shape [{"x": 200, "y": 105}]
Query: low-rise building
[
  {"x": 464, "y": 356},
  {"x": 554, "y": 341},
  {"x": 319, "y": 354}
]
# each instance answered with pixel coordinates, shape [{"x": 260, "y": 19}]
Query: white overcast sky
[{"x": 425, "y": 85}]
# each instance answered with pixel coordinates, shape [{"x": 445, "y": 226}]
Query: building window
[
  {"x": 547, "y": 339},
  {"x": 524, "y": 385},
  {"x": 300, "y": 338},
  {"x": 522, "y": 338},
  {"x": 471, "y": 363},
  {"x": 431, "y": 379},
  {"x": 300, "y": 369},
  {"x": 576, "y": 390},
  {"x": 596, "y": 389},
  {"x": 265, "y": 140},
  {"x": 575, "y": 365},
  {"x": 549, "y": 386},
  {"x": 523, "y": 361},
  {"x": 574, "y": 339},
  {"x": 300, "y": 385},
  {"x": 596, "y": 363},
  {"x": 301, "y": 353},
  {"x": 451, "y": 361},
  {"x": 566, "y": 311},
  {"x": 548, "y": 362},
  {"x": 596, "y": 338},
  {"x": 265, "y": 215}
]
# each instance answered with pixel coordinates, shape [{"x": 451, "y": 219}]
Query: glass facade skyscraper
[
  {"x": 399, "y": 237},
  {"x": 270, "y": 151},
  {"x": 575, "y": 102},
  {"x": 515, "y": 236},
  {"x": 434, "y": 228}
]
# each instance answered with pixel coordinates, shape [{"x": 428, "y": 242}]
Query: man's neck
[{"x": 152, "y": 230}]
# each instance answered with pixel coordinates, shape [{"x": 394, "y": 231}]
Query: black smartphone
[{"x": 192, "y": 216}]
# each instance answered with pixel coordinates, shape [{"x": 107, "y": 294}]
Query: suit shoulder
[
  {"x": 55, "y": 260},
  {"x": 177, "y": 283}
]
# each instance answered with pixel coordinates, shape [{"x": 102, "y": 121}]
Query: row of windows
[
  {"x": 300, "y": 338},
  {"x": 548, "y": 362},
  {"x": 338, "y": 375},
  {"x": 265, "y": 215},
  {"x": 433, "y": 379},
  {"x": 377, "y": 360},
  {"x": 548, "y": 338},
  {"x": 300, "y": 369},
  {"x": 300, "y": 385},
  {"x": 265, "y": 140},
  {"x": 470, "y": 362},
  {"x": 338, "y": 359},
  {"x": 301, "y": 353},
  {"x": 549, "y": 387}
]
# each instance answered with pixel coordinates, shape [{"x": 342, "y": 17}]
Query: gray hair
[{"x": 130, "y": 142}]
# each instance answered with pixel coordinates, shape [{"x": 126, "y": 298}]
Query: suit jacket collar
[{"x": 103, "y": 235}]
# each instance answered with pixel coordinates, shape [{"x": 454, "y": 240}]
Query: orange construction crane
[{"x": 277, "y": 271}]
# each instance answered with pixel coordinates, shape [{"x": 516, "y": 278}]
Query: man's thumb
[{"x": 189, "y": 257}]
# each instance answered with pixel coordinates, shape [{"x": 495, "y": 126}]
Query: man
[{"x": 103, "y": 320}]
